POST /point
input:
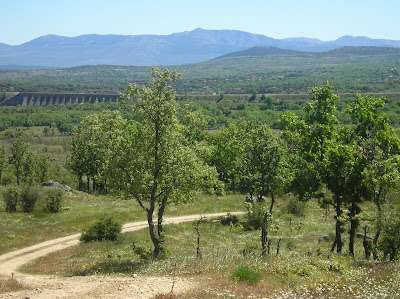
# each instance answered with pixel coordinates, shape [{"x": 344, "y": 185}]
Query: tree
[
  {"x": 3, "y": 160},
  {"x": 29, "y": 168},
  {"x": 154, "y": 164},
  {"x": 264, "y": 169},
  {"x": 319, "y": 161},
  {"x": 42, "y": 166},
  {"x": 17, "y": 158},
  {"x": 229, "y": 146},
  {"x": 92, "y": 145},
  {"x": 379, "y": 144}
]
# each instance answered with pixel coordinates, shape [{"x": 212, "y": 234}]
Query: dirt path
[{"x": 134, "y": 286}]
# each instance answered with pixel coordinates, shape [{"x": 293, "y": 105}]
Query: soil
[{"x": 96, "y": 286}]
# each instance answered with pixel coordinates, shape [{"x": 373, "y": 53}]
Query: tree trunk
[
  {"x": 378, "y": 229},
  {"x": 264, "y": 228},
  {"x": 160, "y": 217},
  {"x": 153, "y": 236},
  {"x": 80, "y": 183},
  {"x": 264, "y": 234},
  {"x": 354, "y": 210},
  {"x": 338, "y": 238}
]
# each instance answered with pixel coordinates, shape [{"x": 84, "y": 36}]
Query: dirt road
[{"x": 134, "y": 286}]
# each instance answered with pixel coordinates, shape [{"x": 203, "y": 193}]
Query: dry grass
[
  {"x": 301, "y": 270},
  {"x": 9, "y": 285}
]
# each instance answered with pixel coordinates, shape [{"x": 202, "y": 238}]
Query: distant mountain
[
  {"x": 260, "y": 52},
  {"x": 343, "y": 51},
  {"x": 145, "y": 50}
]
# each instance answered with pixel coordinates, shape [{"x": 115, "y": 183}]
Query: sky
[{"x": 24, "y": 20}]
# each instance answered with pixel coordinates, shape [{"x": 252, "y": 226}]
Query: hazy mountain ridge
[{"x": 145, "y": 50}]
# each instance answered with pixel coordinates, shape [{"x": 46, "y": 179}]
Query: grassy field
[
  {"x": 302, "y": 269},
  {"x": 80, "y": 210}
]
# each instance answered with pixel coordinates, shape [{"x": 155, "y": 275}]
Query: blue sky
[{"x": 24, "y": 20}]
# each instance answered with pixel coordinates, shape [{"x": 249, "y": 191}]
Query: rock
[
  {"x": 56, "y": 185},
  {"x": 324, "y": 238}
]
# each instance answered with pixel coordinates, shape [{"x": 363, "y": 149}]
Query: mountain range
[{"x": 146, "y": 50}]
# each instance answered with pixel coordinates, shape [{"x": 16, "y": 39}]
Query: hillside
[
  {"x": 146, "y": 50},
  {"x": 350, "y": 69},
  {"x": 260, "y": 51}
]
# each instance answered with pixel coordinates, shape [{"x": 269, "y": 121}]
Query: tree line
[{"x": 165, "y": 156}]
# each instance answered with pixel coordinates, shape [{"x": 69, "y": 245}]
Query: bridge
[{"x": 48, "y": 99}]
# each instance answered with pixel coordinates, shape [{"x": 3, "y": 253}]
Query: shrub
[
  {"x": 142, "y": 252},
  {"x": 255, "y": 215},
  {"x": 229, "y": 220},
  {"x": 54, "y": 200},
  {"x": 296, "y": 207},
  {"x": 244, "y": 273},
  {"x": 28, "y": 198},
  {"x": 11, "y": 199},
  {"x": 103, "y": 229}
]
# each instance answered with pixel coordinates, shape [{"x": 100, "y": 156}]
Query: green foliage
[
  {"x": 3, "y": 161},
  {"x": 296, "y": 207},
  {"x": 104, "y": 229},
  {"x": 254, "y": 214},
  {"x": 54, "y": 200},
  {"x": 17, "y": 158},
  {"x": 229, "y": 220},
  {"x": 390, "y": 242},
  {"x": 143, "y": 253},
  {"x": 28, "y": 198},
  {"x": 245, "y": 273},
  {"x": 10, "y": 197}
]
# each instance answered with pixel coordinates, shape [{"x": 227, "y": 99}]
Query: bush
[
  {"x": 103, "y": 229},
  {"x": 229, "y": 220},
  {"x": 255, "y": 215},
  {"x": 11, "y": 199},
  {"x": 296, "y": 207},
  {"x": 244, "y": 273},
  {"x": 28, "y": 198},
  {"x": 54, "y": 200}
]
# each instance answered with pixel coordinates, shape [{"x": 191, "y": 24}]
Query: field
[{"x": 303, "y": 268}]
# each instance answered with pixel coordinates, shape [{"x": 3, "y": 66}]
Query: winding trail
[{"x": 134, "y": 286}]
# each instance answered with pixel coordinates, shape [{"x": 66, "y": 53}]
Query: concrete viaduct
[{"x": 47, "y": 99}]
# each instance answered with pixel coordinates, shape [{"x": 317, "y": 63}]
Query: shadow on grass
[{"x": 113, "y": 267}]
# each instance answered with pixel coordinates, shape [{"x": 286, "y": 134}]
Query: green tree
[
  {"x": 3, "y": 160},
  {"x": 154, "y": 164},
  {"x": 29, "y": 168},
  {"x": 229, "y": 146},
  {"x": 264, "y": 169},
  {"x": 379, "y": 144},
  {"x": 17, "y": 158},
  {"x": 92, "y": 145},
  {"x": 42, "y": 166},
  {"x": 318, "y": 158}
]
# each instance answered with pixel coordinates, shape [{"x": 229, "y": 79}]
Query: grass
[
  {"x": 80, "y": 210},
  {"x": 303, "y": 268},
  {"x": 245, "y": 273},
  {"x": 9, "y": 285}
]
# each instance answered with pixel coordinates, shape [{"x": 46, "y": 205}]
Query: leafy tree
[
  {"x": 379, "y": 144},
  {"x": 264, "y": 169},
  {"x": 17, "y": 158},
  {"x": 29, "y": 168},
  {"x": 91, "y": 147},
  {"x": 229, "y": 146},
  {"x": 154, "y": 164},
  {"x": 3, "y": 160},
  {"x": 42, "y": 166},
  {"x": 317, "y": 157}
]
